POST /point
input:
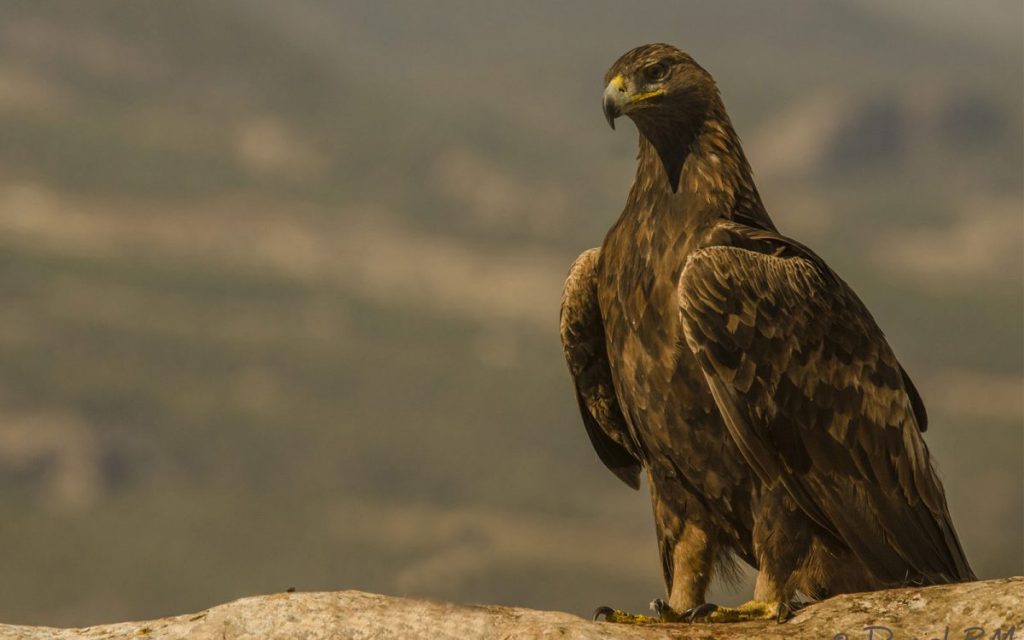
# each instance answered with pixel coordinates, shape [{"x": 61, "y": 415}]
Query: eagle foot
[
  {"x": 754, "y": 610},
  {"x": 664, "y": 612},
  {"x": 699, "y": 613},
  {"x": 607, "y": 614}
]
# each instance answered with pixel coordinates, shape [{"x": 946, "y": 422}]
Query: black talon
[
  {"x": 700, "y": 611},
  {"x": 602, "y": 611},
  {"x": 785, "y": 612},
  {"x": 796, "y": 607},
  {"x": 665, "y": 612}
]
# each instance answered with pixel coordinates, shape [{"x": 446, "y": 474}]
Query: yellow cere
[{"x": 640, "y": 97}]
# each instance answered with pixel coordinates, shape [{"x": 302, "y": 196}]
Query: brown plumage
[{"x": 746, "y": 378}]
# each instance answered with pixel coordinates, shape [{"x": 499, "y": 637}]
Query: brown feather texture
[{"x": 747, "y": 379}]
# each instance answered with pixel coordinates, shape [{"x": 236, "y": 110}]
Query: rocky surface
[{"x": 992, "y": 609}]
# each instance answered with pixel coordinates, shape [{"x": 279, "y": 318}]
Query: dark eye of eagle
[{"x": 656, "y": 72}]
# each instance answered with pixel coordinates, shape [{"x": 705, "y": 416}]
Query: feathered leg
[
  {"x": 689, "y": 548},
  {"x": 782, "y": 562}
]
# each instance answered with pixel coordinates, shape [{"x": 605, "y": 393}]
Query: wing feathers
[
  {"x": 583, "y": 342},
  {"x": 816, "y": 399}
]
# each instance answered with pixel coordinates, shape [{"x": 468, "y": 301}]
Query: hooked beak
[
  {"x": 616, "y": 99},
  {"x": 620, "y": 99}
]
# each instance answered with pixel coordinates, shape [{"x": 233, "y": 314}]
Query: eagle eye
[{"x": 656, "y": 72}]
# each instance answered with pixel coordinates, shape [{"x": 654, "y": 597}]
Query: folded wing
[
  {"x": 586, "y": 352},
  {"x": 815, "y": 399}
]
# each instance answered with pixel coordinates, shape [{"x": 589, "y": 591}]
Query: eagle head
[
  {"x": 658, "y": 86},
  {"x": 668, "y": 95}
]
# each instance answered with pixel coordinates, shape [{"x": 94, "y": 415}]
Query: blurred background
[{"x": 280, "y": 281}]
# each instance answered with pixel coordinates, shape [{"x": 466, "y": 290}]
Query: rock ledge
[{"x": 993, "y": 610}]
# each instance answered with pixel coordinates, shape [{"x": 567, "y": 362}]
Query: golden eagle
[{"x": 743, "y": 375}]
